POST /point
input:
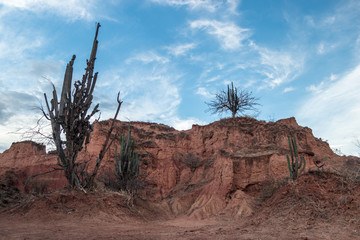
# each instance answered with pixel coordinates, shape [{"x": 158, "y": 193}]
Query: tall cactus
[
  {"x": 297, "y": 164},
  {"x": 126, "y": 162},
  {"x": 233, "y": 99},
  {"x": 70, "y": 119}
]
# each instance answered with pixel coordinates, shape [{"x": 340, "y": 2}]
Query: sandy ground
[
  {"x": 15, "y": 228},
  {"x": 314, "y": 207}
]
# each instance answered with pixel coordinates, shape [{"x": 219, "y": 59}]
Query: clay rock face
[
  {"x": 26, "y": 158},
  {"x": 22, "y": 154},
  {"x": 201, "y": 172}
]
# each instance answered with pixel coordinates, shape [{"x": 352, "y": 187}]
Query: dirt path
[
  {"x": 70, "y": 228},
  {"x": 314, "y": 207}
]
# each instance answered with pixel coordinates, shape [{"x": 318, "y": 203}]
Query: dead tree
[
  {"x": 70, "y": 121},
  {"x": 233, "y": 101}
]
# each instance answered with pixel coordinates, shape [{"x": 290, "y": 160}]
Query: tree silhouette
[{"x": 234, "y": 101}]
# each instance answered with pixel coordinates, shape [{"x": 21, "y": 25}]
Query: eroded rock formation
[{"x": 202, "y": 172}]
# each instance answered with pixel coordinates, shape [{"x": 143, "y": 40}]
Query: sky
[{"x": 168, "y": 57}]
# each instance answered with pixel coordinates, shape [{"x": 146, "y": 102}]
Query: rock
[{"x": 201, "y": 172}]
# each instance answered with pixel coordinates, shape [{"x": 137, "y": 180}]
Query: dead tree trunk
[{"x": 70, "y": 120}]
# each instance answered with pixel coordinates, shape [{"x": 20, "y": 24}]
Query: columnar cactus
[
  {"x": 126, "y": 162},
  {"x": 233, "y": 99},
  {"x": 297, "y": 164},
  {"x": 70, "y": 121}
]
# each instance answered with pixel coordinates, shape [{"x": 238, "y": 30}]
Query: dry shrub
[
  {"x": 352, "y": 171},
  {"x": 36, "y": 187},
  {"x": 192, "y": 161},
  {"x": 8, "y": 192},
  {"x": 269, "y": 189},
  {"x": 111, "y": 183}
]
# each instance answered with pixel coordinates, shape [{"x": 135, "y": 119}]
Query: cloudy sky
[{"x": 168, "y": 57}]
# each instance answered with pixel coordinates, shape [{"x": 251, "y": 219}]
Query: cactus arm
[
  {"x": 302, "y": 164},
  {"x": 296, "y": 156},
  {"x": 297, "y": 164},
  {"x": 289, "y": 166},
  {"x": 291, "y": 152},
  {"x": 127, "y": 161}
]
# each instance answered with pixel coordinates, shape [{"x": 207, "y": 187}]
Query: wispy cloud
[
  {"x": 148, "y": 57},
  {"x": 229, "y": 34},
  {"x": 333, "y": 77},
  {"x": 209, "y": 5},
  {"x": 321, "y": 48},
  {"x": 150, "y": 88},
  {"x": 17, "y": 111},
  {"x": 278, "y": 67},
  {"x": 232, "y": 5},
  {"x": 10, "y": 104},
  {"x": 342, "y": 16},
  {"x": 318, "y": 88},
  {"x": 80, "y": 9},
  {"x": 203, "y": 92},
  {"x": 14, "y": 44},
  {"x": 288, "y": 89},
  {"x": 213, "y": 79},
  {"x": 185, "y": 124},
  {"x": 181, "y": 49},
  {"x": 324, "y": 48},
  {"x": 22, "y": 72},
  {"x": 334, "y": 111}
]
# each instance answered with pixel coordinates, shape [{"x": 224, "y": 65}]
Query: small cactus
[
  {"x": 126, "y": 162},
  {"x": 297, "y": 165}
]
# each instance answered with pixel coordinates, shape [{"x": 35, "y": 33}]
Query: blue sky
[{"x": 168, "y": 57}]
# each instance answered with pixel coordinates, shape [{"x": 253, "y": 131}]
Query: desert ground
[{"x": 315, "y": 206}]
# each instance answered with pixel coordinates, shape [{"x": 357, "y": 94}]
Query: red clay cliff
[{"x": 202, "y": 172}]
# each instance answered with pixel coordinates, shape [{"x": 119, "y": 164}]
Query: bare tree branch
[
  {"x": 106, "y": 144},
  {"x": 233, "y": 101},
  {"x": 39, "y": 174}
]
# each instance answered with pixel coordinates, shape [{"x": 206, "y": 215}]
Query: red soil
[{"x": 315, "y": 206}]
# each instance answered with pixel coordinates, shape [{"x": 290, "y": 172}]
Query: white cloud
[
  {"x": 203, "y": 92},
  {"x": 213, "y": 79},
  {"x": 230, "y": 6},
  {"x": 333, "y": 77},
  {"x": 322, "y": 85},
  {"x": 329, "y": 20},
  {"x": 16, "y": 126},
  {"x": 288, "y": 89},
  {"x": 21, "y": 75},
  {"x": 228, "y": 33},
  {"x": 180, "y": 124},
  {"x": 233, "y": 4},
  {"x": 14, "y": 44},
  {"x": 310, "y": 21},
  {"x": 321, "y": 48},
  {"x": 208, "y": 5},
  {"x": 334, "y": 112},
  {"x": 317, "y": 88},
  {"x": 324, "y": 48},
  {"x": 148, "y": 57},
  {"x": 180, "y": 50},
  {"x": 79, "y": 9},
  {"x": 345, "y": 15},
  {"x": 150, "y": 91},
  {"x": 278, "y": 66}
]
